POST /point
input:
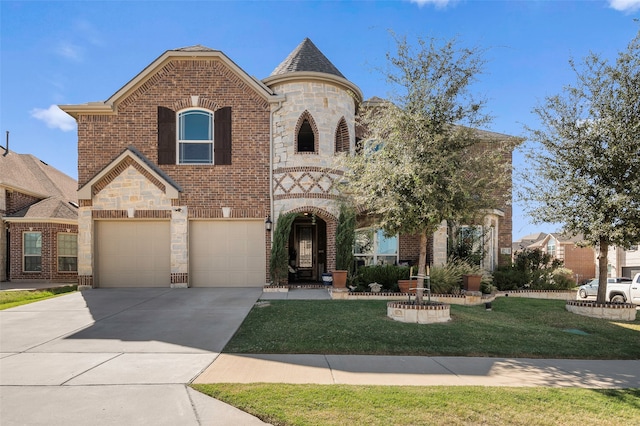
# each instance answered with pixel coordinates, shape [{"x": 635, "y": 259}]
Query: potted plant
[{"x": 345, "y": 238}]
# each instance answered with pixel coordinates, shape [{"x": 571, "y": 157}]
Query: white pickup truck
[{"x": 624, "y": 292}]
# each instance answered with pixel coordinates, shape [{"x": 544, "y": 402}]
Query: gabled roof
[
  {"x": 198, "y": 51},
  {"x": 306, "y": 57},
  {"x": 29, "y": 175},
  {"x": 130, "y": 156},
  {"x": 53, "y": 208}
]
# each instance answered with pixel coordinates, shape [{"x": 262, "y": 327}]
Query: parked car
[
  {"x": 591, "y": 288},
  {"x": 625, "y": 292}
]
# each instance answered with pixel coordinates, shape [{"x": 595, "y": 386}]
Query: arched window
[
  {"x": 307, "y": 134},
  {"x": 195, "y": 137},
  {"x": 342, "y": 136}
]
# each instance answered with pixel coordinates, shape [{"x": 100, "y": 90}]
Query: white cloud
[
  {"x": 69, "y": 51},
  {"x": 625, "y": 5},
  {"x": 55, "y": 118},
  {"x": 439, "y": 4}
]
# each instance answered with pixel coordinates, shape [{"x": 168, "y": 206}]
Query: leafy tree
[
  {"x": 587, "y": 160},
  {"x": 422, "y": 161}
]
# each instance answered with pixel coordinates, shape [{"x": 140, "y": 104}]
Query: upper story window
[
  {"x": 194, "y": 136},
  {"x": 32, "y": 251},
  {"x": 551, "y": 247},
  {"x": 306, "y": 134},
  {"x": 342, "y": 137}
]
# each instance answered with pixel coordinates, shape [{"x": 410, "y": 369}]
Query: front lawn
[
  {"x": 516, "y": 327},
  {"x": 10, "y": 299},
  {"x": 286, "y": 404}
]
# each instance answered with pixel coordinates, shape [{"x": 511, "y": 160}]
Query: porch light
[{"x": 268, "y": 223}]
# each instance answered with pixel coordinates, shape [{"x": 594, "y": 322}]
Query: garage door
[
  {"x": 227, "y": 253},
  {"x": 133, "y": 254}
]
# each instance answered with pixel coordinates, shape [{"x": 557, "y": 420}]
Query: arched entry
[{"x": 311, "y": 241}]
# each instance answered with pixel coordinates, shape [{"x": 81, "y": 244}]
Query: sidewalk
[
  {"x": 422, "y": 371},
  {"x": 415, "y": 370}
]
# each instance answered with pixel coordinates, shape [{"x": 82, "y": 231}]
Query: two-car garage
[{"x": 222, "y": 253}]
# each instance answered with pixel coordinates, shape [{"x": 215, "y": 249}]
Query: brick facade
[
  {"x": 49, "y": 251},
  {"x": 242, "y": 185}
]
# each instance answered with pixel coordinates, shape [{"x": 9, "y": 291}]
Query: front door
[{"x": 306, "y": 250}]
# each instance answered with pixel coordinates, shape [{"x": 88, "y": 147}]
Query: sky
[{"x": 66, "y": 52}]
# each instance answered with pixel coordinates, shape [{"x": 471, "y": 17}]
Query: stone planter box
[
  {"x": 419, "y": 314},
  {"x": 608, "y": 311}
]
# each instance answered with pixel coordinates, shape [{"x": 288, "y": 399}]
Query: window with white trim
[
  {"x": 32, "y": 251},
  {"x": 67, "y": 252},
  {"x": 195, "y": 137},
  {"x": 551, "y": 247},
  {"x": 372, "y": 247}
]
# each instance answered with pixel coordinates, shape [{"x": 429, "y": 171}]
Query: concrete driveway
[{"x": 118, "y": 356}]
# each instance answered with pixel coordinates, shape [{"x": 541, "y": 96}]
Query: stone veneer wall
[
  {"x": 128, "y": 196},
  {"x": 305, "y": 181}
]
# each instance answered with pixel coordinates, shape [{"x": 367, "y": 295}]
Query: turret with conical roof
[
  {"x": 314, "y": 124},
  {"x": 306, "y": 57}
]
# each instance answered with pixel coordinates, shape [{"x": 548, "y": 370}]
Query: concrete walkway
[
  {"x": 421, "y": 371},
  {"x": 118, "y": 357}
]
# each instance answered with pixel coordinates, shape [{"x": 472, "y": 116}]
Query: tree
[
  {"x": 587, "y": 157},
  {"x": 422, "y": 161},
  {"x": 345, "y": 238},
  {"x": 279, "y": 260}
]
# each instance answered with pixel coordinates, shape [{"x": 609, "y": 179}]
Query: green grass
[
  {"x": 286, "y": 404},
  {"x": 10, "y": 299},
  {"x": 516, "y": 327}
]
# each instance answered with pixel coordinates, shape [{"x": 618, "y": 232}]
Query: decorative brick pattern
[
  {"x": 306, "y": 182},
  {"x": 332, "y": 222},
  {"x": 179, "y": 278},
  {"x": 85, "y": 281},
  {"x": 85, "y": 203},
  {"x": 215, "y": 213},
  {"x": 119, "y": 169},
  {"x": 152, "y": 214},
  {"x": 109, "y": 214}
]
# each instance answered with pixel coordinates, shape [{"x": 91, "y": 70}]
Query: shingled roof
[
  {"x": 306, "y": 57},
  {"x": 56, "y": 191}
]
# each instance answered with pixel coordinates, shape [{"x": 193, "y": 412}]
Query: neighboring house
[
  {"x": 39, "y": 220},
  {"x": 623, "y": 263},
  {"x": 182, "y": 171},
  {"x": 581, "y": 260}
]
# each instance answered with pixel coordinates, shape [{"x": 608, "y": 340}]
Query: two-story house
[
  {"x": 38, "y": 220},
  {"x": 184, "y": 169},
  {"x": 579, "y": 258}
]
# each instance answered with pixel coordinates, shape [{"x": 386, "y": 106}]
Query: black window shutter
[
  {"x": 222, "y": 136},
  {"x": 166, "y": 136}
]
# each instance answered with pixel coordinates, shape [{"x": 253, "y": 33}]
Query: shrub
[
  {"x": 508, "y": 278},
  {"x": 447, "y": 279},
  {"x": 387, "y": 275}
]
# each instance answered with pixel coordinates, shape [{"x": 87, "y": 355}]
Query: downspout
[{"x": 271, "y": 213}]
